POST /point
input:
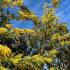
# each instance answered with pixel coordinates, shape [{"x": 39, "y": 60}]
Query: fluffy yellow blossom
[
  {"x": 47, "y": 60},
  {"x": 65, "y": 36},
  {"x": 55, "y": 36},
  {"x": 55, "y": 2},
  {"x": 29, "y": 31},
  {"x": 17, "y": 2},
  {"x": 37, "y": 58},
  {"x": 49, "y": 17},
  {"x": 44, "y": 19},
  {"x": 16, "y": 59},
  {"x": 42, "y": 59},
  {"x": 52, "y": 68},
  {"x": 53, "y": 52},
  {"x": 62, "y": 27},
  {"x": 6, "y": 3},
  {"x": 24, "y": 31},
  {"x": 9, "y": 26},
  {"x": 3, "y": 30},
  {"x": 12, "y": 3},
  {"x": 17, "y": 31},
  {"x": 24, "y": 15},
  {"x": 65, "y": 43},
  {"x": 4, "y": 51},
  {"x": 3, "y": 68}
]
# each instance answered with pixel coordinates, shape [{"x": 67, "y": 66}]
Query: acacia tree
[{"x": 31, "y": 49}]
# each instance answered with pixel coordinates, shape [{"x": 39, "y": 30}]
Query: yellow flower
[
  {"x": 65, "y": 36},
  {"x": 55, "y": 2},
  {"x": 52, "y": 68},
  {"x": 44, "y": 19},
  {"x": 48, "y": 17},
  {"x": 53, "y": 52},
  {"x": 17, "y": 2},
  {"x": 47, "y": 60},
  {"x": 24, "y": 31},
  {"x": 17, "y": 30},
  {"x": 62, "y": 43},
  {"x": 55, "y": 36},
  {"x": 9, "y": 26},
  {"x": 6, "y": 3},
  {"x": 16, "y": 59},
  {"x": 4, "y": 51},
  {"x": 29, "y": 31},
  {"x": 24, "y": 15},
  {"x": 3, "y": 68},
  {"x": 3, "y": 30},
  {"x": 37, "y": 58},
  {"x": 65, "y": 43},
  {"x": 42, "y": 59}
]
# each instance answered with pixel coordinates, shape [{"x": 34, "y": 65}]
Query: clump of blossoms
[
  {"x": 6, "y": 3},
  {"x": 3, "y": 30}
]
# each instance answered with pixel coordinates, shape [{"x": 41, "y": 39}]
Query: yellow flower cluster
[
  {"x": 44, "y": 19},
  {"x": 16, "y": 59},
  {"x": 37, "y": 58},
  {"x": 65, "y": 43},
  {"x": 6, "y": 2},
  {"x": 42, "y": 59},
  {"x": 56, "y": 36},
  {"x": 17, "y": 2},
  {"x": 65, "y": 36},
  {"x": 12, "y": 2},
  {"x": 24, "y": 15},
  {"x": 3, "y": 68},
  {"x": 62, "y": 27},
  {"x": 9, "y": 26},
  {"x": 24, "y": 31},
  {"x": 33, "y": 62},
  {"x": 53, "y": 52},
  {"x": 3, "y": 30},
  {"x": 55, "y": 2},
  {"x": 29, "y": 30},
  {"x": 4, "y": 51},
  {"x": 49, "y": 17},
  {"x": 47, "y": 60},
  {"x": 52, "y": 68},
  {"x": 17, "y": 30}
]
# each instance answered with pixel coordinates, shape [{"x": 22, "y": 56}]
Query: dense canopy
[{"x": 46, "y": 46}]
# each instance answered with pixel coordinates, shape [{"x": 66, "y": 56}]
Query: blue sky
[
  {"x": 64, "y": 12},
  {"x": 36, "y": 6}
]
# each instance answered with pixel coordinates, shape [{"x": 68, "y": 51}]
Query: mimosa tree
[{"x": 48, "y": 43}]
